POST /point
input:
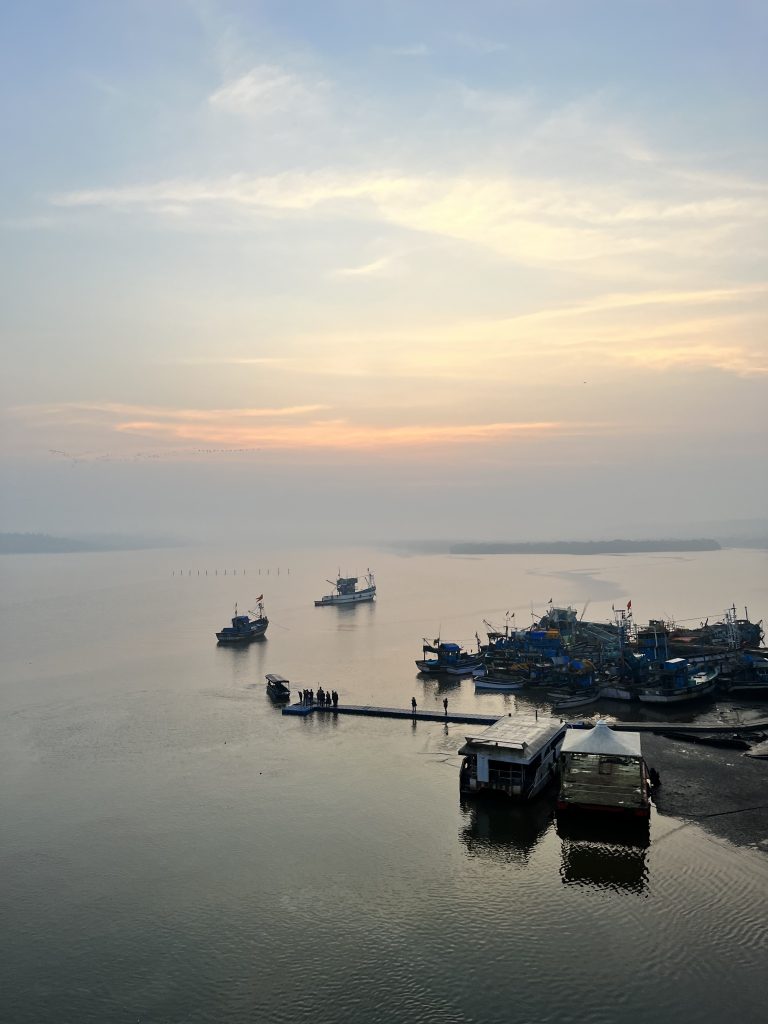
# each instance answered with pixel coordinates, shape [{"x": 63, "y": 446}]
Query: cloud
[
  {"x": 295, "y": 428},
  {"x": 88, "y": 411},
  {"x": 269, "y": 90},
  {"x": 335, "y": 434},
  {"x": 532, "y": 222}
]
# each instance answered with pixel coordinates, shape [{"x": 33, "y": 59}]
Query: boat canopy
[
  {"x": 453, "y": 648},
  {"x": 602, "y": 740}
]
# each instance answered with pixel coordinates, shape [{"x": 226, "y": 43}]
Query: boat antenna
[{"x": 583, "y": 610}]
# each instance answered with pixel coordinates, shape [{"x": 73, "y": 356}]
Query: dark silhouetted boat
[{"x": 244, "y": 629}]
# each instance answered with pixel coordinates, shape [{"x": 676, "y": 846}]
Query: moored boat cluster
[{"x": 578, "y": 662}]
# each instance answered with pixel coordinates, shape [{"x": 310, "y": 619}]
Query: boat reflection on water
[
  {"x": 604, "y": 854},
  {"x": 507, "y": 832},
  {"x": 438, "y": 685}
]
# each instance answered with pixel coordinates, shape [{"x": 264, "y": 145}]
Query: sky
[{"x": 489, "y": 270}]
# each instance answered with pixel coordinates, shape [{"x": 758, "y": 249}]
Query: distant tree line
[
  {"x": 44, "y": 543},
  {"x": 582, "y": 547}
]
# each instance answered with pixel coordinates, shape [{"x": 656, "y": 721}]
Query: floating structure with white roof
[
  {"x": 603, "y": 770},
  {"x": 515, "y": 756}
]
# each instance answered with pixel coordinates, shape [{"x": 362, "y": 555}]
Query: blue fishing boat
[
  {"x": 450, "y": 659},
  {"x": 245, "y": 629}
]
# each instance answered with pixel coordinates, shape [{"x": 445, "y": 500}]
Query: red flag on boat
[
  {"x": 629, "y": 605},
  {"x": 260, "y": 597}
]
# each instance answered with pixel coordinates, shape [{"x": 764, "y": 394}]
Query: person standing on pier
[
  {"x": 413, "y": 705},
  {"x": 445, "y": 706},
  {"x": 335, "y": 699}
]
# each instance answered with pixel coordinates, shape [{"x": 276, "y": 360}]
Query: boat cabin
[
  {"x": 515, "y": 756},
  {"x": 603, "y": 770}
]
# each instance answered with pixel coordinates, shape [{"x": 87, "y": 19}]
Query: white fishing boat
[
  {"x": 347, "y": 593},
  {"x": 499, "y": 684}
]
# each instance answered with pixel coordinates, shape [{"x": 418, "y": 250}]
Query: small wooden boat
[
  {"x": 499, "y": 684},
  {"x": 277, "y": 686},
  {"x": 578, "y": 700}
]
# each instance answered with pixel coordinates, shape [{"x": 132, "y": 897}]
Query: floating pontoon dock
[
  {"x": 671, "y": 727},
  {"x": 468, "y": 718},
  {"x": 367, "y": 710}
]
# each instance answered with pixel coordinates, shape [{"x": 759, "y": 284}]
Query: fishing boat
[
  {"x": 346, "y": 591},
  {"x": 450, "y": 659},
  {"x": 677, "y": 684},
  {"x": 277, "y": 686},
  {"x": 516, "y": 756},
  {"x": 575, "y": 700},
  {"x": 749, "y": 676},
  {"x": 245, "y": 629},
  {"x": 483, "y": 681},
  {"x": 603, "y": 770}
]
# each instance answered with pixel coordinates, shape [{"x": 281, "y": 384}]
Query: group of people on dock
[{"x": 323, "y": 698}]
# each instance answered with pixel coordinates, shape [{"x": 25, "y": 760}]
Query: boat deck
[{"x": 369, "y": 711}]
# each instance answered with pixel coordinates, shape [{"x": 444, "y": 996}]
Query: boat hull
[
  {"x": 231, "y": 639},
  {"x": 440, "y": 668},
  {"x": 359, "y": 597},
  {"x": 571, "y": 703},
  {"x": 499, "y": 685},
  {"x": 759, "y": 689},
  {"x": 676, "y": 696},
  {"x": 463, "y": 670}
]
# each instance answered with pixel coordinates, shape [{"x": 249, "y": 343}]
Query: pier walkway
[
  {"x": 369, "y": 711},
  {"x": 681, "y": 727},
  {"x": 468, "y": 718}
]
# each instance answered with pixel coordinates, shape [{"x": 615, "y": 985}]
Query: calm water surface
[{"x": 174, "y": 850}]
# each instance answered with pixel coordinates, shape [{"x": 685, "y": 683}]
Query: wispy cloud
[
  {"x": 267, "y": 90},
  {"x": 76, "y": 411},
  {"x": 264, "y": 428},
  {"x": 530, "y": 221}
]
